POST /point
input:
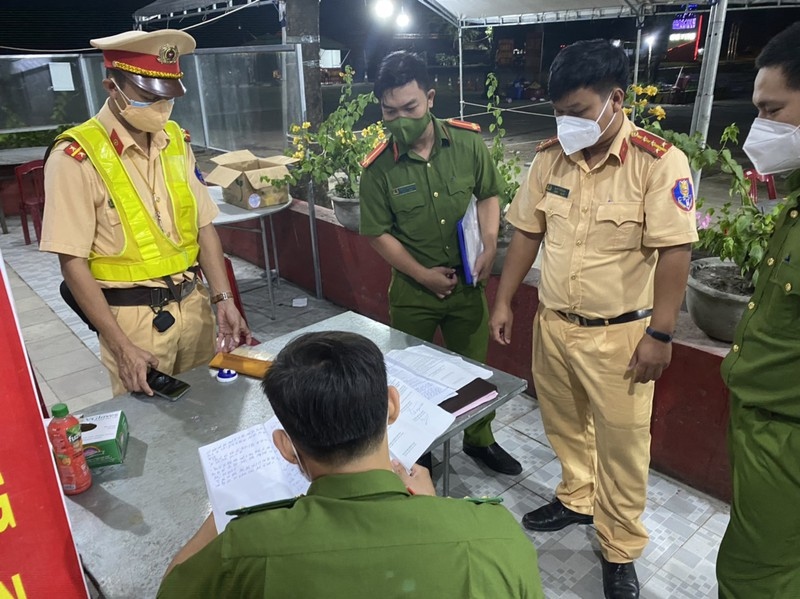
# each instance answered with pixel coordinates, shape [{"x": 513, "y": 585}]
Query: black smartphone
[{"x": 166, "y": 386}]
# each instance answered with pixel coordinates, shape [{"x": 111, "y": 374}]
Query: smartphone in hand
[{"x": 163, "y": 385}]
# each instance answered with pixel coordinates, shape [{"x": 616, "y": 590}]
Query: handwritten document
[
  {"x": 419, "y": 424},
  {"x": 246, "y": 469},
  {"x": 407, "y": 381}
]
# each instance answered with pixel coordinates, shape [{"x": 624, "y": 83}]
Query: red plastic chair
[
  {"x": 755, "y": 177},
  {"x": 30, "y": 179}
]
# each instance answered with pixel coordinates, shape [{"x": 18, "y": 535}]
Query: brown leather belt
[
  {"x": 602, "y": 322},
  {"x": 147, "y": 296}
]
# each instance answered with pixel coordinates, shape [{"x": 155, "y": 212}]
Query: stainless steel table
[
  {"x": 229, "y": 215},
  {"x": 137, "y": 515}
]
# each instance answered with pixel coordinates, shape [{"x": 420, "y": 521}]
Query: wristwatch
[
  {"x": 221, "y": 297},
  {"x": 658, "y": 335}
]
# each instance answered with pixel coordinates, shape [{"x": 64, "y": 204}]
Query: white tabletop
[{"x": 229, "y": 214}]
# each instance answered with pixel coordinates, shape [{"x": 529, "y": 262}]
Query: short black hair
[
  {"x": 597, "y": 64},
  {"x": 783, "y": 51},
  {"x": 399, "y": 68},
  {"x": 329, "y": 391}
]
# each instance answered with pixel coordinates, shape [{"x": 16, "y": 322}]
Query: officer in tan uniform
[
  {"x": 130, "y": 219},
  {"x": 615, "y": 207}
]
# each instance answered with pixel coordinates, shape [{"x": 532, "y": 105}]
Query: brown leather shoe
[
  {"x": 620, "y": 580},
  {"x": 553, "y": 516}
]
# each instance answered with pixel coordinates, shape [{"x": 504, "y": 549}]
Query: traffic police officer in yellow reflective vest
[
  {"x": 362, "y": 530},
  {"x": 615, "y": 207},
  {"x": 130, "y": 219},
  {"x": 414, "y": 189},
  {"x": 759, "y": 557}
]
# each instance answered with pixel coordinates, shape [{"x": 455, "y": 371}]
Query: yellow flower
[
  {"x": 381, "y": 135},
  {"x": 295, "y": 129},
  {"x": 298, "y": 155},
  {"x": 658, "y": 112},
  {"x": 642, "y": 103},
  {"x": 638, "y": 90},
  {"x": 295, "y": 140},
  {"x": 651, "y": 90},
  {"x": 365, "y": 132},
  {"x": 627, "y": 111},
  {"x": 306, "y": 125},
  {"x": 340, "y": 133}
]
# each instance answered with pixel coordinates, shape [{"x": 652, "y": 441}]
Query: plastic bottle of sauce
[{"x": 64, "y": 431}]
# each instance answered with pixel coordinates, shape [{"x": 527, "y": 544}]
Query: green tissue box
[{"x": 105, "y": 438}]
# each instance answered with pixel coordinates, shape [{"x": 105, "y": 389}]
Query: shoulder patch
[
  {"x": 187, "y": 137},
  {"x": 76, "y": 151},
  {"x": 370, "y": 158},
  {"x": 263, "y": 507},
  {"x": 683, "y": 194},
  {"x": 547, "y": 143},
  {"x": 459, "y": 124},
  {"x": 652, "y": 144}
]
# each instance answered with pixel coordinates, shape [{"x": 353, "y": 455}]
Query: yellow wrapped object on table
[{"x": 241, "y": 364}]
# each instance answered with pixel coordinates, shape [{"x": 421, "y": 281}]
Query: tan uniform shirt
[
  {"x": 79, "y": 216},
  {"x": 603, "y": 225}
]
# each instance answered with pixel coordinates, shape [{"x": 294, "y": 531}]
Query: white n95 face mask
[
  {"x": 576, "y": 133},
  {"x": 773, "y": 147}
]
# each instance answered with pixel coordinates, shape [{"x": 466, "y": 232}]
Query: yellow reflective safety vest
[{"x": 147, "y": 252}]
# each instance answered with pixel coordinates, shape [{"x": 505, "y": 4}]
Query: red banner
[{"x": 37, "y": 554}]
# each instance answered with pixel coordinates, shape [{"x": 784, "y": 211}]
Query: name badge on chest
[
  {"x": 559, "y": 191},
  {"x": 404, "y": 189}
]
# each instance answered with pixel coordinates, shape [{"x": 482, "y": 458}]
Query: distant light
[
  {"x": 700, "y": 50},
  {"x": 384, "y": 9},
  {"x": 650, "y": 40},
  {"x": 616, "y": 43},
  {"x": 403, "y": 20}
]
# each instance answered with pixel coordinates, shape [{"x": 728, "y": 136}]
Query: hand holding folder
[{"x": 470, "y": 243}]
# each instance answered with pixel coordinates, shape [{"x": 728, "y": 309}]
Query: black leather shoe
[
  {"x": 495, "y": 457},
  {"x": 620, "y": 580},
  {"x": 553, "y": 516}
]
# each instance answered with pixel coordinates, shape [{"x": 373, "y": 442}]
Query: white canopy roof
[{"x": 515, "y": 12}]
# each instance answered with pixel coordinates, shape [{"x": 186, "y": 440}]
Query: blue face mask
[{"x": 139, "y": 103}]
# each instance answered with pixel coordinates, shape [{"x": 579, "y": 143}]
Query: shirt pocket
[
  {"x": 460, "y": 188},
  {"x": 556, "y": 212},
  {"x": 407, "y": 207},
  {"x": 783, "y": 303},
  {"x": 619, "y": 226}
]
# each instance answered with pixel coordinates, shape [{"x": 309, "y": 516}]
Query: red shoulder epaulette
[
  {"x": 187, "y": 137},
  {"x": 76, "y": 151},
  {"x": 458, "y": 123},
  {"x": 547, "y": 143},
  {"x": 375, "y": 153},
  {"x": 652, "y": 144}
]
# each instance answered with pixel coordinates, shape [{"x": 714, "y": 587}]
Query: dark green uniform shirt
[
  {"x": 363, "y": 535},
  {"x": 419, "y": 202},
  {"x": 763, "y": 367}
]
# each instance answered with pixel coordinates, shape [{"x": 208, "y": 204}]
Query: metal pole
[
  {"x": 639, "y": 25},
  {"x": 200, "y": 91},
  {"x": 701, "y": 116},
  {"x": 460, "y": 71},
  {"x": 312, "y": 213},
  {"x": 91, "y": 104}
]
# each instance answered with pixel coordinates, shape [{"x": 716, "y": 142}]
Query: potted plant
[
  {"x": 331, "y": 156},
  {"x": 508, "y": 163},
  {"x": 736, "y": 236}
]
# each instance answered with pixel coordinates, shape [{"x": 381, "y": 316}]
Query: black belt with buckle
[
  {"x": 602, "y": 322},
  {"x": 147, "y": 296}
]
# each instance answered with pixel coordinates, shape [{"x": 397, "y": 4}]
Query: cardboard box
[
  {"x": 105, "y": 438},
  {"x": 246, "y": 179}
]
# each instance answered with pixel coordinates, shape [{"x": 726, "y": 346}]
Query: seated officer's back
[{"x": 361, "y": 530}]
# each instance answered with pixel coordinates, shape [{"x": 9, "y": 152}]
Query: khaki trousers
[
  {"x": 598, "y": 423},
  {"x": 186, "y": 344}
]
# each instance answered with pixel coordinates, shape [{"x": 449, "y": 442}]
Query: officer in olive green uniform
[
  {"x": 364, "y": 535},
  {"x": 414, "y": 189},
  {"x": 366, "y": 527},
  {"x": 759, "y": 557}
]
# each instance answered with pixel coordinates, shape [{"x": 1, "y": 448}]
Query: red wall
[{"x": 690, "y": 412}]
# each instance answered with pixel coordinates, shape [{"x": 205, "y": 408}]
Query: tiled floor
[{"x": 685, "y": 526}]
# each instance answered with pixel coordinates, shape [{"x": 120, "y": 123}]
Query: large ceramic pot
[
  {"x": 347, "y": 212},
  {"x": 714, "y": 311}
]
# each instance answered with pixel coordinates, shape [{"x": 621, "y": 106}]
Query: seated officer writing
[{"x": 362, "y": 530}]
